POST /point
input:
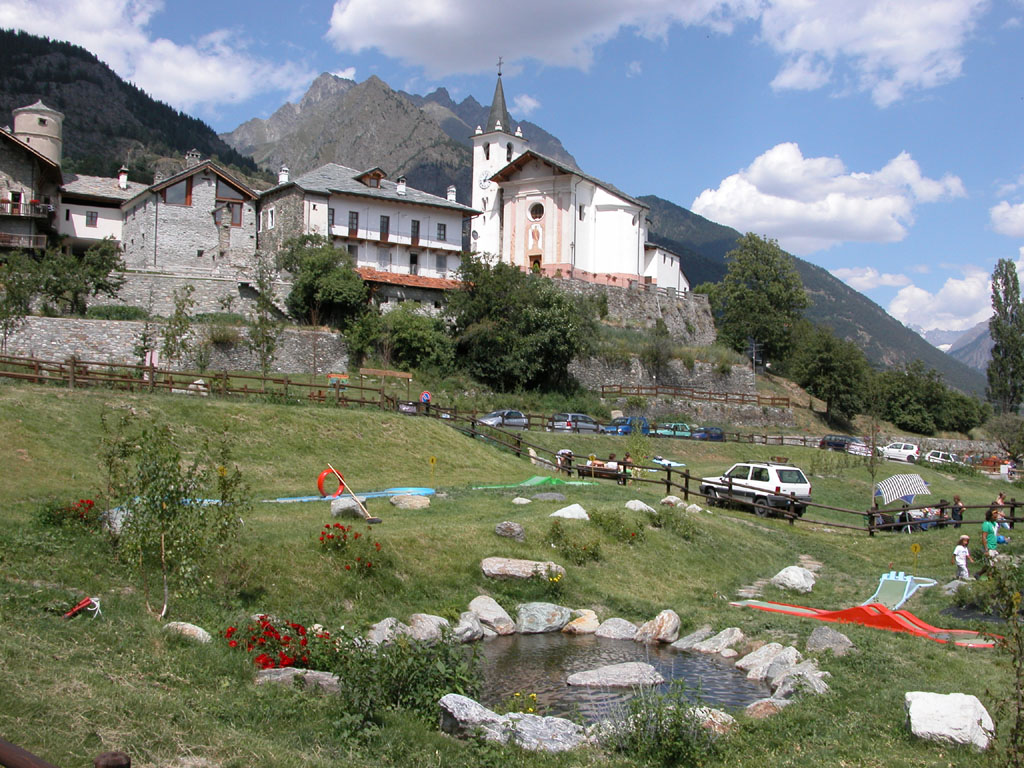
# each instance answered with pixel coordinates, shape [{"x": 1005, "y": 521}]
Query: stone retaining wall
[{"x": 155, "y": 291}]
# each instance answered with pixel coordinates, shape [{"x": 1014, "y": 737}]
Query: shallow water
[{"x": 541, "y": 663}]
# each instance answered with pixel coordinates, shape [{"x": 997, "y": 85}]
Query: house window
[
  {"x": 199, "y": 253},
  {"x": 442, "y": 264},
  {"x": 414, "y": 263},
  {"x": 67, "y": 214},
  {"x": 353, "y": 222},
  {"x": 581, "y": 212},
  {"x": 180, "y": 193},
  {"x": 330, "y": 219},
  {"x": 270, "y": 218},
  {"x": 414, "y": 230},
  {"x": 384, "y": 259},
  {"x": 442, "y": 232},
  {"x": 230, "y": 198},
  {"x": 385, "y": 227},
  {"x": 91, "y": 218},
  {"x": 373, "y": 182},
  {"x": 353, "y": 251},
  {"x": 235, "y": 211}
]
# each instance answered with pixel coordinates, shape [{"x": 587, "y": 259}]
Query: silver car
[
  {"x": 506, "y": 419},
  {"x": 572, "y": 422}
]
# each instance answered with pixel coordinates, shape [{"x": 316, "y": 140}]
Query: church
[{"x": 545, "y": 216}]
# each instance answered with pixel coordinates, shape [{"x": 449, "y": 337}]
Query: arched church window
[{"x": 537, "y": 211}]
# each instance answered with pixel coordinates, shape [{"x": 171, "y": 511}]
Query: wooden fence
[{"x": 691, "y": 393}]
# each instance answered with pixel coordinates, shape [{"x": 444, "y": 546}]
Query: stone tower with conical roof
[
  {"x": 41, "y": 128},
  {"x": 494, "y": 146}
]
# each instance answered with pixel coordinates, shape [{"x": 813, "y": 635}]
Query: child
[{"x": 961, "y": 556}]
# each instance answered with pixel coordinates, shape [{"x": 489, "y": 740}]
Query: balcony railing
[
  {"x": 7, "y": 208},
  {"x": 22, "y": 241}
]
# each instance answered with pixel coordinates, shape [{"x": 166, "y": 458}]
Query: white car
[
  {"x": 941, "y": 457},
  {"x": 900, "y": 452},
  {"x": 766, "y": 484}
]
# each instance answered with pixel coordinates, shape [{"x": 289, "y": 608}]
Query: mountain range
[{"x": 369, "y": 124}]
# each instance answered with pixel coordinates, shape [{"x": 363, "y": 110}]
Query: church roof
[
  {"x": 499, "y": 112},
  {"x": 520, "y": 162}
]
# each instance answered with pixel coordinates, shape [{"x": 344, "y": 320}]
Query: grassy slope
[{"x": 73, "y": 689}]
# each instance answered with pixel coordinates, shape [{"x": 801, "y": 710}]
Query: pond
[{"x": 541, "y": 663}]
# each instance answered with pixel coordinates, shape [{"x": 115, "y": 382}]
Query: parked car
[
  {"x": 941, "y": 457},
  {"x": 714, "y": 434},
  {"x": 407, "y": 406},
  {"x": 768, "y": 485},
  {"x": 900, "y": 452},
  {"x": 673, "y": 429},
  {"x": 625, "y": 425},
  {"x": 507, "y": 419},
  {"x": 858, "y": 447},
  {"x": 572, "y": 422},
  {"x": 837, "y": 442}
]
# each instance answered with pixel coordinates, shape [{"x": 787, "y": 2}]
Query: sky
[{"x": 879, "y": 139}]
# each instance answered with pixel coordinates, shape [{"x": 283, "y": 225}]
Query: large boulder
[
  {"x": 534, "y": 618},
  {"x": 510, "y": 530},
  {"x": 687, "y": 643},
  {"x": 757, "y": 662},
  {"x": 512, "y": 568},
  {"x": 386, "y": 631},
  {"x": 795, "y": 578},
  {"x": 191, "y": 631},
  {"x": 724, "y": 639},
  {"x": 465, "y": 718},
  {"x": 491, "y": 615},
  {"x": 311, "y": 679},
  {"x": 346, "y": 506},
  {"x": 955, "y": 718},
  {"x": 572, "y": 512},
  {"x": 714, "y": 720},
  {"x": 804, "y": 677},
  {"x": 663, "y": 628},
  {"x": 635, "y": 505},
  {"x": 671, "y": 501},
  {"x": 616, "y": 629},
  {"x": 584, "y": 623},
  {"x": 763, "y": 708},
  {"x": 410, "y": 501},
  {"x": 625, "y": 675},
  {"x": 828, "y": 639},
  {"x": 427, "y": 628},
  {"x": 469, "y": 629},
  {"x": 784, "y": 661}
]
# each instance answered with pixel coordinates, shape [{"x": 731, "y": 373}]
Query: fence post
[
  {"x": 686, "y": 485},
  {"x": 668, "y": 481},
  {"x": 285, "y": 386},
  {"x": 871, "y": 522},
  {"x": 792, "y": 508},
  {"x": 71, "y": 375}
]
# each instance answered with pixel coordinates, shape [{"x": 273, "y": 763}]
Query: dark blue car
[{"x": 714, "y": 434}]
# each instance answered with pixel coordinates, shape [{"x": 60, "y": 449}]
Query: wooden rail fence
[{"x": 691, "y": 393}]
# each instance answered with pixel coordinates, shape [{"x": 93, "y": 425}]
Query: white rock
[
  {"x": 461, "y": 716},
  {"x": 671, "y": 501},
  {"x": 585, "y": 623},
  {"x": 805, "y": 677},
  {"x": 616, "y": 629},
  {"x": 794, "y": 577},
  {"x": 784, "y": 661},
  {"x": 410, "y": 501},
  {"x": 729, "y": 653},
  {"x": 520, "y": 500},
  {"x": 191, "y": 631},
  {"x": 721, "y": 641},
  {"x": 955, "y": 718},
  {"x": 687, "y": 643},
  {"x": 511, "y": 568},
  {"x": 663, "y": 628},
  {"x": 635, "y": 505},
  {"x": 828, "y": 639},
  {"x": 693, "y": 509},
  {"x": 427, "y": 628},
  {"x": 384, "y": 632},
  {"x": 346, "y": 506},
  {"x": 491, "y": 615},
  {"x": 311, "y": 678},
  {"x": 714, "y": 720},
  {"x": 537, "y": 618},
  {"x": 763, "y": 656},
  {"x": 572, "y": 512},
  {"x": 624, "y": 675},
  {"x": 469, "y": 629}
]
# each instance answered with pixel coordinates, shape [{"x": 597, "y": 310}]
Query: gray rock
[
  {"x": 762, "y": 657},
  {"x": 721, "y": 641},
  {"x": 408, "y": 501},
  {"x": 663, "y": 628},
  {"x": 585, "y": 623},
  {"x": 729, "y": 653},
  {"x": 616, "y": 629},
  {"x": 384, "y": 632},
  {"x": 549, "y": 496},
  {"x": 535, "y": 618},
  {"x": 671, "y": 501},
  {"x": 311, "y": 679},
  {"x": 828, "y": 639},
  {"x": 465, "y": 718},
  {"x": 572, "y": 512},
  {"x": 427, "y": 628},
  {"x": 693, "y": 509},
  {"x": 714, "y": 720},
  {"x": 510, "y": 530},
  {"x": 625, "y": 675},
  {"x": 113, "y": 520},
  {"x": 785, "y": 660},
  {"x": 687, "y": 643},
  {"x": 346, "y": 506},
  {"x": 469, "y": 629},
  {"x": 520, "y": 500},
  {"x": 635, "y": 505},
  {"x": 511, "y": 568},
  {"x": 763, "y": 708},
  {"x": 794, "y": 577},
  {"x": 492, "y": 615},
  {"x": 951, "y": 588},
  {"x": 489, "y": 633},
  {"x": 191, "y": 631},
  {"x": 805, "y": 677},
  {"x": 955, "y": 718}
]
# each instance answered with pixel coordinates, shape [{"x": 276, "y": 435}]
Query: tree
[
  {"x": 515, "y": 330},
  {"x": 325, "y": 285},
  {"x": 834, "y": 370},
  {"x": 1006, "y": 369},
  {"x": 657, "y": 353},
  {"x": 178, "y": 325},
  {"x": 403, "y": 337},
  {"x": 264, "y": 327},
  {"x": 68, "y": 280},
  {"x": 19, "y": 282},
  {"x": 760, "y": 298}
]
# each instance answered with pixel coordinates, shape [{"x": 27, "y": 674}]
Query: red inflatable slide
[{"x": 878, "y": 616}]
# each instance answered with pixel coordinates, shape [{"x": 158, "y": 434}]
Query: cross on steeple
[{"x": 500, "y": 60}]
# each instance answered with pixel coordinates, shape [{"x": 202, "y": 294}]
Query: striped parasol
[{"x": 904, "y": 487}]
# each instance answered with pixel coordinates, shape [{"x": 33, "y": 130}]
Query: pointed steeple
[{"x": 498, "y": 119}]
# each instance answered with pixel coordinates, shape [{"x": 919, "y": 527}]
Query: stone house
[
  {"x": 30, "y": 177},
  {"x": 90, "y": 208}
]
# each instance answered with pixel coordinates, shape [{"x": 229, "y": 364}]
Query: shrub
[
  {"x": 670, "y": 519},
  {"x": 575, "y": 547},
  {"x": 617, "y": 526},
  {"x": 82, "y": 513},
  {"x": 276, "y": 644},
  {"x": 222, "y": 334},
  {"x": 116, "y": 312},
  {"x": 356, "y": 552}
]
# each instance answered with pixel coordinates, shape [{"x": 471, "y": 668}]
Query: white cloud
[
  {"x": 866, "y": 278},
  {"x": 349, "y": 73},
  {"x": 810, "y": 204},
  {"x": 524, "y": 105},
  {"x": 213, "y": 69},
  {"x": 634, "y": 69},
  {"x": 1007, "y": 219},
  {"x": 876, "y": 46},
  {"x": 961, "y": 302}
]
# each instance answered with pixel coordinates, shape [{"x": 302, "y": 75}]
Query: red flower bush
[
  {"x": 279, "y": 644},
  {"x": 357, "y": 551},
  {"x": 81, "y": 512}
]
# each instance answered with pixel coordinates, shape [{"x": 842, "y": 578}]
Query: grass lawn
[{"x": 72, "y": 689}]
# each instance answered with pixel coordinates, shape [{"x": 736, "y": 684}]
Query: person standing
[
  {"x": 957, "y": 512},
  {"x": 990, "y": 535},
  {"x": 961, "y": 556}
]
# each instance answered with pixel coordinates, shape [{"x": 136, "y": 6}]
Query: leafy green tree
[
  {"x": 19, "y": 283},
  {"x": 1007, "y": 429},
  {"x": 407, "y": 338},
  {"x": 1006, "y": 369},
  {"x": 514, "y": 330},
  {"x": 834, "y": 370},
  {"x": 178, "y": 326},
  {"x": 68, "y": 280},
  {"x": 657, "y": 353},
  {"x": 326, "y": 288},
  {"x": 761, "y": 297},
  {"x": 264, "y": 327},
  {"x": 916, "y": 399}
]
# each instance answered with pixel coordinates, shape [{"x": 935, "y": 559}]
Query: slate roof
[
  {"x": 519, "y": 162},
  {"x": 498, "y": 111},
  {"x": 48, "y": 165},
  {"x": 79, "y": 185},
  {"x": 334, "y": 178}
]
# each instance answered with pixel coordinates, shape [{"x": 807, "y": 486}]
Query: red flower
[
  {"x": 284, "y": 659},
  {"x": 348, "y": 567},
  {"x": 303, "y": 642},
  {"x": 377, "y": 545},
  {"x": 233, "y": 643},
  {"x": 230, "y": 632},
  {"x": 368, "y": 564},
  {"x": 355, "y": 536}
]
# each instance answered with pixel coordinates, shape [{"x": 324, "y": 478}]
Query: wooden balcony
[
  {"x": 31, "y": 242},
  {"x": 32, "y": 210}
]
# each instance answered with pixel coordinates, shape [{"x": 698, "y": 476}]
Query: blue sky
[{"x": 880, "y": 139}]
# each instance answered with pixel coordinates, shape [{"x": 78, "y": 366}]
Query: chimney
[
  {"x": 158, "y": 176},
  {"x": 282, "y": 175},
  {"x": 451, "y": 193},
  {"x": 192, "y": 157},
  {"x": 122, "y": 178},
  {"x": 401, "y": 186}
]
